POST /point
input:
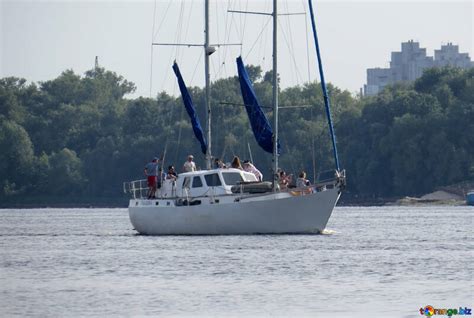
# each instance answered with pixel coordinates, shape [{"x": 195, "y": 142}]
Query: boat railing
[
  {"x": 331, "y": 178},
  {"x": 137, "y": 188}
]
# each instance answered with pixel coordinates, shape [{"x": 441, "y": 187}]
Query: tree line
[{"x": 81, "y": 137}]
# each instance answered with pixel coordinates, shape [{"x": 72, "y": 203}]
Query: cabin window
[
  {"x": 249, "y": 177},
  {"x": 197, "y": 183},
  {"x": 213, "y": 180},
  {"x": 232, "y": 178}
]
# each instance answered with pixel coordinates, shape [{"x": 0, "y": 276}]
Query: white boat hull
[{"x": 266, "y": 214}]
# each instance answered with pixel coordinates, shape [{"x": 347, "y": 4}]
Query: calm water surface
[{"x": 373, "y": 262}]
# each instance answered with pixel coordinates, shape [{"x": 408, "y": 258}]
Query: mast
[
  {"x": 207, "y": 52},
  {"x": 275, "y": 97}
]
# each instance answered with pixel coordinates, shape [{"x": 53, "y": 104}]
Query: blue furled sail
[
  {"x": 188, "y": 104},
  {"x": 260, "y": 126}
]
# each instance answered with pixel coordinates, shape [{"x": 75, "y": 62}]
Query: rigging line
[
  {"x": 312, "y": 148},
  {"x": 196, "y": 67},
  {"x": 323, "y": 86},
  {"x": 217, "y": 74},
  {"x": 220, "y": 52},
  {"x": 288, "y": 45},
  {"x": 228, "y": 29},
  {"x": 179, "y": 134},
  {"x": 237, "y": 30},
  {"x": 151, "y": 49},
  {"x": 179, "y": 30},
  {"x": 163, "y": 163},
  {"x": 175, "y": 86},
  {"x": 165, "y": 78},
  {"x": 292, "y": 161},
  {"x": 163, "y": 20},
  {"x": 291, "y": 54},
  {"x": 151, "y": 53},
  {"x": 226, "y": 37},
  {"x": 151, "y": 70},
  {"x": 267, "y": 8},
  {"x": 241, "y": 35},
  {"x": 189, "y": 21},
  {"x": 292, "y": 44},
  {"x": 213, "y": 66},
  {"x": 307, "y": 40},
  {"x": 218, "y": 40},
  {"x": 258, "y": 37},
  {"x": 245, "y": 21},
  {"x": 167, "y": 70},
  {"x": 234, "y": 23},
  {"x": 284, "y": 29},
  {"x": 262, "y": 43}
]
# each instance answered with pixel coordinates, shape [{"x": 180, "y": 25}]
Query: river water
[{"x": 372, "y": 262}]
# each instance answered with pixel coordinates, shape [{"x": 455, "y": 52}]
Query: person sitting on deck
[
  {"x": 189, "y": 165},
  {"x": 249, "y": 167},
  {"x": 284, "y": 180},
  {"x": 236, "y": 163},
  {"x": 219, "y": 164},
  {"x": 302, "y": 182},
  {"x": 151, "y": 172}
]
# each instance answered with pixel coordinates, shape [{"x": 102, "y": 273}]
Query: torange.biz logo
[{"x": 430, "y": 311}]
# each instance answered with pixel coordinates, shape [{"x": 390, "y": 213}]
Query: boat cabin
[{"x": 205, "y": 183}]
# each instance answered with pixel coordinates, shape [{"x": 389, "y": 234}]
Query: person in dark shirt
[{"x": 171, "y": 175}]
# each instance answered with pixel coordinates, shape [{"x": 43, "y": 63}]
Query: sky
[{"x": 40, "y": 39}]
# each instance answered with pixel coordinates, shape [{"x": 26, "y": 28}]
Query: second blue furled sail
[
  {"x": 260, "y": 126},
  {"x": 188, "y": 104}
]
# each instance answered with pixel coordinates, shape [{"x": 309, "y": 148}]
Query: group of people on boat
[
  {"x": 247, "y": 166},
  {"x": 155, "y": 174},
  {"x": 286, "y": 180}
]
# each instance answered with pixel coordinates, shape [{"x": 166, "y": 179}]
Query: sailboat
[{"x": 232, "y": 201}]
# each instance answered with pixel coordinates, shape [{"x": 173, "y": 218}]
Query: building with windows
[{"x": 409, "y": 64}]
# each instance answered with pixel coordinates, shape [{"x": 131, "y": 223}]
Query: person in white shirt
[
  {"x": 249, "y": 167},
  {"x": 189, "y": 165}
]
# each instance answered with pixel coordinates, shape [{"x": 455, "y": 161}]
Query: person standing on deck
[
  {"x": 151, "y": 172},
  {"x": 189, "y": 165}
]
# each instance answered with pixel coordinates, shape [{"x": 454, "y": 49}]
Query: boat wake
[{"x": 328, "y": 232}]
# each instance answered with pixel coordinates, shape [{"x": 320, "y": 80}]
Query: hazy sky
[{"x": 40, "y": 39}]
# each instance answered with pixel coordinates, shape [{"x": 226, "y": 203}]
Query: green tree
[
  {"x": 65, "y": 175},
  {"x": 16, "y": 158}
]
